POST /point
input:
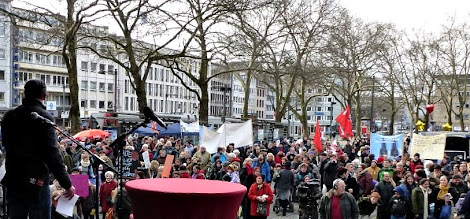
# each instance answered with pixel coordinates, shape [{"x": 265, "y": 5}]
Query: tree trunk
[
  {"x": 358, "y": 116},
  {"x": 140, "y": 91},
  {"x": 204, "y": 105},
  {"x": 74, "y": 114},
  {"x": 69, "y": 54},
  {"x": 303, "y": 120},
  {"x": 392, "y": 121},
  {"x": 462, "y": 125},
  {"x": 203, "y": 84},
  {"x": 247, "y": 94}
]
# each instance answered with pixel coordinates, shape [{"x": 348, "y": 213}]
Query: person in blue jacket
[{"x": 265, "y": 168}]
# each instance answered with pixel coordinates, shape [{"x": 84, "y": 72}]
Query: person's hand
[{"x": 69, "y": 193}]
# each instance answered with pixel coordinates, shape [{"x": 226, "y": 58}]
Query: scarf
[
  {"x": 260, "y": 186},
  {"x": 85, "y": 163},
  {"x": 425, "y": 195},
  {"x": 443, "y": 190}
]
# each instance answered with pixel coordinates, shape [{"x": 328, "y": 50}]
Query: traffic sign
[
  {"x": 64, "y": 115},
  {"x": 51, "y": 105}
]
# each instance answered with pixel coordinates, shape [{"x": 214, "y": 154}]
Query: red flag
[
  {"x": 345, "y": 123},
  {"x": 154, "y": 127},
  {"x": 317, "y": 138}
]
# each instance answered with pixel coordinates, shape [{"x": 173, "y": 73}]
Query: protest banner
[
  {"x": 127, "y": 164},
  {"x": 386, "y": 145},
  {"x": 428, "y": 147},
  {"x": 167, "y": 166},
  {"x": 241, "y": 134},
  {"x": 146, "y": 158},
  {"x": 80, "y": 182}
]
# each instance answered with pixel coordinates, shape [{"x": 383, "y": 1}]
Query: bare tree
[
  {"x": 203, "y": 31},
  {"x": 388, "y": 66},
  {"x": 454, "y": 45},
  {"x": 416, "y": 79},
  {"x": 253, "y": 29},
  {"x": 142, "y": 18},
  {"x": 66, "y": 29},
  {"x": 352, "y": 51}
]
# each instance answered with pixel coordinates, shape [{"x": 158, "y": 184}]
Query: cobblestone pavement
[{"x": 289, "y": 215}]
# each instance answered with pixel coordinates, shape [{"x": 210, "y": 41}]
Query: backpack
[{"x": 398, "y": 206}]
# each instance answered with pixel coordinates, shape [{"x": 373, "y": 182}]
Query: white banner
[
  {"x": 189, "y": 127},
  {"x": 241, "y": 134},
  {"x": 428, "y": 147}
]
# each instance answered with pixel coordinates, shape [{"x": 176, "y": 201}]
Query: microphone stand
[
  {"x": 118, "y": 145},
  {"x": 96, "y": 163}
]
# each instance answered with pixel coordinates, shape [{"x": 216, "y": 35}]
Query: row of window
[
  {"x": 41, "y": 59},
  {"x": 31, "y": 36},
  {"x": 161, "y": 90},
  {"x": 93, "y": 67},
  {"x": 93, "y": 84},
  {"x": 49, "y": 79},
  {"x": 166, "y": 75},
  {"x": 92, "y": 104}
]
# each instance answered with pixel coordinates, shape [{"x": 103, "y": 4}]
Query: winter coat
[
  {"x": 438, "y": 203},
  {"x": 205, "y": 159},
  {"x": 105, "y": 194},
  {"x": 365, "y": 206},
  {"x": 351, "y": 183},
  {"x": 31, "y": 157},
  {"x": 407, "y": 188},
  {"x": 385, "y": 189},
  {"x": 285, "y": 180},
  {"x": 265, "y": 170},
  {"x": 459, "y": 189},
  {"x": 417, "y": 201},
  {"x": 374, "y": 172},
  {"x": 465, "y": 210},
  {"x": 399, "y": 206},
  {"x": 365, "y": 182},
  {"x": 255, "y": 192},
  {"x": 349, "y": 208},
  {"x": 330, "y": 172}
]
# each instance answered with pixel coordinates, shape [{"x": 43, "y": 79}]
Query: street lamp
[
  {"x": 382, "y": 122},
  {"x": 63, "y": 106},
  {"x": 331, "y": 119},
  {"x": 224, "y": 89}
]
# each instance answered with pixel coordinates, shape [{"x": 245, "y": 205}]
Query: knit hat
[
  {"x": 380, "y": 159},
  {"x": 375, "y": 194}
]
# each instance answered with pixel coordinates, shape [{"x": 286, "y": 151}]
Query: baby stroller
[{"x": 277, "y": 204}]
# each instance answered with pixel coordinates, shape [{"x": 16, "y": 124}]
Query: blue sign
[
  {"x": 319, "y": 113},
  {"x": 386, "y": 145}
]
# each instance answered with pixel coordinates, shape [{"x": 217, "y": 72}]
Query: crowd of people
[{"x": 338, "y": 182}]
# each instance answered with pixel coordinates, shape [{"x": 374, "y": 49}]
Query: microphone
[
  {"x": 149, "y": 114},
  {"x": 35, "y": 115}
]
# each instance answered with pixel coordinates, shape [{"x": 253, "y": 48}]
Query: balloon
[
  {"x": 429, "y": 108},
  {"x": 420, "y": 125},
  {"x": 447, "y": 127}
]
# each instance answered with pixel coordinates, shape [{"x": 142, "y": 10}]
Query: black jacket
[
  {"x": 385, "y": 189},
  {"x": 31, "y": 149},
  {"x": 285, "y": 180},
  {"x": 329, "y": 174}
]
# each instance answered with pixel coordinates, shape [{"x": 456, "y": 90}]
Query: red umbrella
[{"x": 91, "y": 134}]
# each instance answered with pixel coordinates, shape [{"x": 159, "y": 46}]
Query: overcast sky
[{"x": 427, "y": 15}]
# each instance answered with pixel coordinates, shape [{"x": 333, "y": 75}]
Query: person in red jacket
[
  {"x": 260, "y": 193},
  {"x": 105, "y": 192}
]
